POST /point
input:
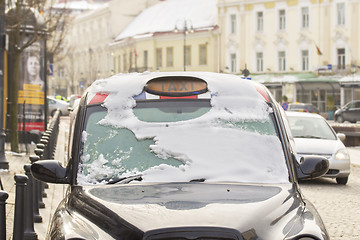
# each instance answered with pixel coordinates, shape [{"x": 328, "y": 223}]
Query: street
[{"x": 338, "y": 205}]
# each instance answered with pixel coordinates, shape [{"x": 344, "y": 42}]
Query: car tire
[
  {"x": 340, "y": 119},
  {"x": 342, "y": 180}
]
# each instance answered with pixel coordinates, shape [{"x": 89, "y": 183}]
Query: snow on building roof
[
  {"x": 164, "y": 16},
  {"x": 78, "y": 5}
]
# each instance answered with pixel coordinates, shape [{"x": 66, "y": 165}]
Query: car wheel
[
  {"x": 342, "y": 180},
  {"x": 340, "y": 119}
]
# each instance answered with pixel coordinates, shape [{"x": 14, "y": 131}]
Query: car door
[
  {"x": 352, "y": 114},
  {"x": 356, "y": 112}
]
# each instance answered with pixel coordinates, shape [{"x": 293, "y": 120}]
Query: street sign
[{"x": 51, "y": 69}]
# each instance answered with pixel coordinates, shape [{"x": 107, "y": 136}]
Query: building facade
[
  {"x": 296, "y": 37},
  {"x": 88, "y": 56},
  {"x": 298, "y": 48},
  {"x": 170, "y": 36}
]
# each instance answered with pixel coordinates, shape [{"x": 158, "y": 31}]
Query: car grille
[
  {"x": 194, "y": 233},
  {"x": 332, "y": 172}
]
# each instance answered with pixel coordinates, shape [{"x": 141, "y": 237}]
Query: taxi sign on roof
[{"x": 176, "y": 86}]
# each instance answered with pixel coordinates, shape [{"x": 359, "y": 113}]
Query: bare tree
[{"x": 26, "y": 23}]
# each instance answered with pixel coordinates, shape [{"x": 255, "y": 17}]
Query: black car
[
  {"x": 182, "y": 155},
  {"x": 350, "y": 112}
]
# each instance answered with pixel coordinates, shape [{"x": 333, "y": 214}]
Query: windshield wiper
[
  {"x": 198, "y": 180},
  {"x": 125, "y": 180},
  {"x": 307, "y": 136}
]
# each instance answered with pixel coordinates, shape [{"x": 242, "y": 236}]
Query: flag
[
  {"x": 318, "y": 50},
  {"x": 135, "y": 53}
]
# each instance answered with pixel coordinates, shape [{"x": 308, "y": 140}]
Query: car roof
[
  {"x": 132, "y": 84},
  {"x": 303, "y": 114},
  {"x": 303, "y": 104}
]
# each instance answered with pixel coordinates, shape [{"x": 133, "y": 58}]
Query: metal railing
[{"x": 29, "y": 191}]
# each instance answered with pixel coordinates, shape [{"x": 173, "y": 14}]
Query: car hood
[
  {"x": 317, "y": 146},
  {"x": 265, "y": 212}
]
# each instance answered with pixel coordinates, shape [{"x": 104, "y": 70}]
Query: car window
[
  {"x": 306, "y": 127},
  {"x": 350, "y": 105},
  {"x": 179, "y": 142}
]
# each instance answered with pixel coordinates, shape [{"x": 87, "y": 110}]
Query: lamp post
[
  {"x": 186, "y": 30},
  {"x": 3, "y": 163}
]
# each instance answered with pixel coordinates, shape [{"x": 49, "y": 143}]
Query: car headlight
[{"x": 342, "y": 154}]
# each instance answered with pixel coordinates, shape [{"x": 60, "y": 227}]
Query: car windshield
[
  {"x": 180, "y": 141},
  {"x": 310, "y": 127}
]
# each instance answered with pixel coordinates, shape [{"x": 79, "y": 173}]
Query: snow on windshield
[{"x": 208, "y": 147}]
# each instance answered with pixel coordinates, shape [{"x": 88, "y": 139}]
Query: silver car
[
  {"x": 54, "y": 104},
  {"x": 314, "y": 136}
]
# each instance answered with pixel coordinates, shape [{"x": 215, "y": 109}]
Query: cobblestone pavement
[{"x": 338, "y": 205}]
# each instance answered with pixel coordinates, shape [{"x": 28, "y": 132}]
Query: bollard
[
  {"x": 3, "y": 196},
  {"x": 36, "y": 212},
  {"x": 29, "y": 231},
  {"x": 40, "y": 145},
  {"x": 39, "y": 151},
  {"x": 19, "y": 221}
]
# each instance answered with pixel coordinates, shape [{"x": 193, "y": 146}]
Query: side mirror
[
  {"x": 49, "y": 171},
  {"x": 312, "y": 167},
  {"x": 341, "y": 136}
]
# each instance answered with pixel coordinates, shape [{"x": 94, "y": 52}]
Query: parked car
[
  {"x": 314, "y": 136},
  {"x": 350, "y": 112},
  {"x": 181, "y": 155},
  {"x": 72, "y": 100},
  {"x": 303, "y": 107},
  {"x": 54, "y": 104}
]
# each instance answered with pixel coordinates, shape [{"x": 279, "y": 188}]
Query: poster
[{"x": 31, "y": 99}]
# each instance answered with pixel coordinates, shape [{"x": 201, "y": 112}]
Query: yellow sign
[
  {"x": 31, "y": 94},
  {"x": 32, "y": 87},
  {"x": 39, "y": 101}
]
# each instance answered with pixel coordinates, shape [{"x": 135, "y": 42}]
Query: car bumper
[{"x": 338, "y": 168}]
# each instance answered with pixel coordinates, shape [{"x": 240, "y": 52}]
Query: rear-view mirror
[
  {"x": 311, "y": 167},
  {"x": 49, "y": 171}
]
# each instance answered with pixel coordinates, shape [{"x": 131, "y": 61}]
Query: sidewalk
[
  {"x": 354, "y": 155},
  {"x": 55, "y": 192}
]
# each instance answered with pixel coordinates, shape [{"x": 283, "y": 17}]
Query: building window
[
  {"x": 282, "y": 61},
  {"x": 305, "y": 17},
  {"x": 131, "y": 62},
  {"x": 187, "y": 55},
  {"x": 119, "y": 63},
  {"x": 305, "y": 60},
  {"x": 61, "y": 72},
  {"x": 203, "y": 54},
  {"x": 124, "y": 63},
  {"x": 100, "y": 30},
  {"x": 340, "y": 8},
  {"x": 259, "y": 22},
  {"x": 282, "y": 20},
  {"x": 233, "y": 62},
  {"x": 259, "y": 62},
  {"x": 145, "y": 59},
  {"x": 158, "y": 57},
  {"x": 233, "y": 23},
  {"x": 169, "y": 57},
  {"x": 341, "y": 58}
]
